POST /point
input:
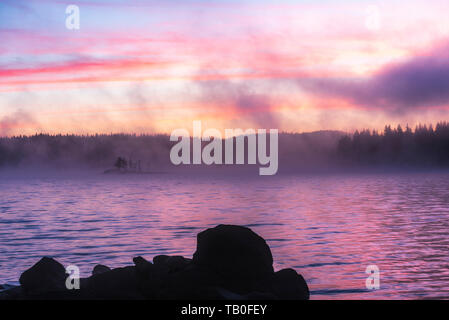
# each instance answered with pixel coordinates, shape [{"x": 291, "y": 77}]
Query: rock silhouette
[
  {"x": 45, "y": 276},
  {"x": 241, "y": 257},
  {"x": 230, "y": 262}
]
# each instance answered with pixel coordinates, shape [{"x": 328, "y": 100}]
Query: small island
[{"x": 123, "y": 166}]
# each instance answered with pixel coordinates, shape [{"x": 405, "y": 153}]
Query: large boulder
[
  {"x": 237, "y": 254},
  {"x": 47, "y": 275}
]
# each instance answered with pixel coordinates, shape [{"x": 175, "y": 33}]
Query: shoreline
[{"x": 230, "y": 263}]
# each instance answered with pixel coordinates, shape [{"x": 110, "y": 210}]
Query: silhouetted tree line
[
  {"x": 425, "y": 145},
  {"x": 139, "y": 152},
  {"x": 100, "y": 150}
]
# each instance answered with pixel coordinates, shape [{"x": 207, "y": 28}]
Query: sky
[{"x": 138, "y": 66}]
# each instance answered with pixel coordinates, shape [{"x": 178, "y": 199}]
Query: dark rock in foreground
[
  {"x": 231, "y": 262},
  {"x": 45, "y": 276},
  {"x": 239, "y": 256}
]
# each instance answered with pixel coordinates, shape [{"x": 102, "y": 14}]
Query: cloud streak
[{"x": 422, "y": 81}]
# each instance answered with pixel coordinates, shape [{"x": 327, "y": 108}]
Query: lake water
[{"x": 327, "y": 227}]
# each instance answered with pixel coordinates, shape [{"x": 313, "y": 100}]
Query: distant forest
[
  {"x": 425, "y": 145},
  {"x": 97, "y": 151},
  {"x": 149, "y": 152},
  {"x": 422, "y": 146}
]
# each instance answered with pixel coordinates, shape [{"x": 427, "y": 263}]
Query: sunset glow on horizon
[{"x": 153, "y": 66}]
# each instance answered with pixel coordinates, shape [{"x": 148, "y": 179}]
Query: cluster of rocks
[{"x": 231, "y": 262}]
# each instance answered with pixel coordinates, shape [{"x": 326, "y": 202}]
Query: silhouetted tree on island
[{"x": 121, "y": 163}]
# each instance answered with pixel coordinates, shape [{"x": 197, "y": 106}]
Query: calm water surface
[{"x": 329, "y": 228}]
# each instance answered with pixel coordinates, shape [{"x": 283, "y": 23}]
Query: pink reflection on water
[{"x": 329, "y": 228}]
